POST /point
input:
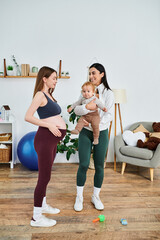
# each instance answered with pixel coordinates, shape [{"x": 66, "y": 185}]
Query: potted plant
[
  {"x": 10, "y": 70},
  {"x": 68, "y": 144},
  {"x": 67, "y": 74}
]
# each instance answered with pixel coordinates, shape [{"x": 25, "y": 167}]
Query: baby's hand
[
  {"x": 105, "y": 109},
  {"x": 69, "y": 109}
]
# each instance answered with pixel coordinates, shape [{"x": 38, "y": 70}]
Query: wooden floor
[{"x": 132, "y": 196}]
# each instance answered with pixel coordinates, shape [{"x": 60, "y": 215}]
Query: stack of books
[
  {"x": 25, "y": 69},
  {"x": 32, "y": 74}
]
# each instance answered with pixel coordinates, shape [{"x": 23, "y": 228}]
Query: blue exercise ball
[{"x": 26, "y": 151}]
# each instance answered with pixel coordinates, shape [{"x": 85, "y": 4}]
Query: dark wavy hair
[{"x": 101, "y": 69}]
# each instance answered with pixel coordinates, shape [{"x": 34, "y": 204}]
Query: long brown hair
[{"x": 43, "y": 72}]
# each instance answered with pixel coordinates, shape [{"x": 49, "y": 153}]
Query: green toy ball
[{"x": 100, "y": 218}]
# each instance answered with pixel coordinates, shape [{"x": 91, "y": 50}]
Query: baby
[{"x": 88, "y": 92}]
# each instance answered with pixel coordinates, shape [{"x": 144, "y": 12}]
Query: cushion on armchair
[
  {"x": 131, "y": 138},
  {"x": 136, "y": 152},
  {"x": 140, "y": 128}
]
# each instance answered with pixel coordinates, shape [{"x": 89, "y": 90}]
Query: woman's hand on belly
[
  {"x": 54, "y": 129},
  {"x": 56, "y": 121}
]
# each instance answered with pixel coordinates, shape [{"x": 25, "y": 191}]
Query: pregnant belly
[{"x": 57, "y": 120}]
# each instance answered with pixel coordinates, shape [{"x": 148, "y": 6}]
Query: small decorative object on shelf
[
  {"x": 67, "y": 74},
  {"x": 18, "y": 72},
  {"x": 1, "y": 73},
  {"x": 10, "y": 70},
  {"x": 5, "y": 112},
  {"x": 62, "y": 74},
  {"x": 34, "y": 69},
  {"x": 34, "y": 72}
]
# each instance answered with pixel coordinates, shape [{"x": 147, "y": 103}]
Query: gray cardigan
[{"x": 83, "y": 100}]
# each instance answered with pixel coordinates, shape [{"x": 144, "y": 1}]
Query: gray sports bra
[{"x": 49, "y": 110}]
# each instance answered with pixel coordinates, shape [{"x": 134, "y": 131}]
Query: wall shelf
[
  {"x": 65, "y": 77},
  {"x": 17, "y": 77},
  {"x": 59, "y": 75}
]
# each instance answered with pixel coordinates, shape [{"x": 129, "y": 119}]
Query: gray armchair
[{"x": 137, "y": 156}]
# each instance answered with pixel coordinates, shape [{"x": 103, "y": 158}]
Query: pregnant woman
[{"x": 52, "y": 129}]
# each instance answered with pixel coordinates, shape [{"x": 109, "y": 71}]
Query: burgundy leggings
[{"x": 45, "y": 144}]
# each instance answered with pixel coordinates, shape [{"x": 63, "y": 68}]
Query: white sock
[
  {"x": 96, "y": 191},
  {"x": 44, "y": 203},
  {"x": 37, "y": 213},
  {"x": 80, "y": 191}
]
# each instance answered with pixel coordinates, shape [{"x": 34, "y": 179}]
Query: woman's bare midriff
[{"x": 57, "y": 120}]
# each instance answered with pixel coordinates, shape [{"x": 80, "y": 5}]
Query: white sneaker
[
  {"x": 43, "y": 222},
  {"x": 97, "y": 202},
  {"x": 50, "y": 210},
  {"x": 78, "y": 206}
]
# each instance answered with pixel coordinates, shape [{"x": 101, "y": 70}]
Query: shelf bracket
[{"x": 60, "y": 68}]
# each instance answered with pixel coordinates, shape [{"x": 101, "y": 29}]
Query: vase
[
  {"x": 61, "y": 158},
  {"x": 35, "y": 69},
  {"x": 18, "y": 72},
  {"x": 10, "y": 72}
]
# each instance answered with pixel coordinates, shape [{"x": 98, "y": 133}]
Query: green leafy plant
[
  {"x": 14, "y": 60},
  {"x": 10, "y": 68},
  {"x": 17, "y": 66},
  {"x": 68, "y": 144},
  {"x": 73, "y": 117}
]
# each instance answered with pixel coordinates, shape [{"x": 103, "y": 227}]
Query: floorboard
[{"x": 132, "y": 196}]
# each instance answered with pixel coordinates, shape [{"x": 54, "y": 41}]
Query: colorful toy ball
[
  {"x": 123, "y": 221},
  {"x": 100, "y": 218}
]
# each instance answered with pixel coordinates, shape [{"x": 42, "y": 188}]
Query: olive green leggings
[{"x": 99, "y": 153}]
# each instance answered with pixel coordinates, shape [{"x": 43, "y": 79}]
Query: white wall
[{"x": 123, "y": 35}]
